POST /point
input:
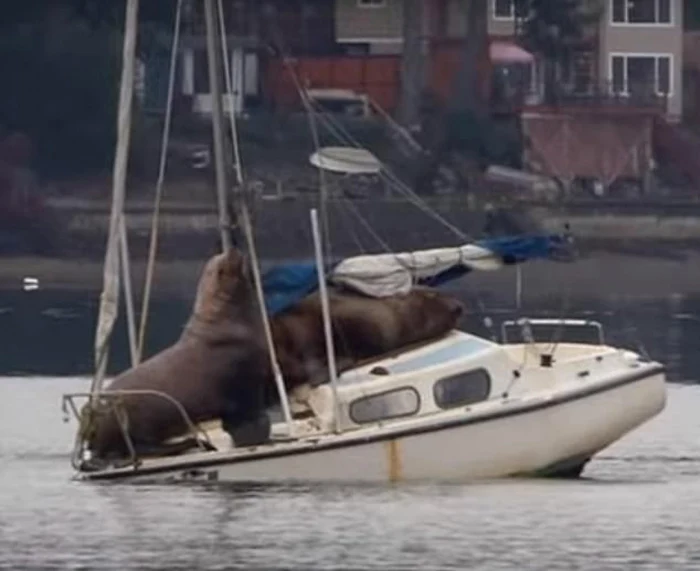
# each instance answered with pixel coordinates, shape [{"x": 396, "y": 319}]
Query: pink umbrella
[{"x": 506, "y": 52}]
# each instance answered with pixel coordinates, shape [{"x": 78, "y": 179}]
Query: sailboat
[{"x": 455, "y": 409}]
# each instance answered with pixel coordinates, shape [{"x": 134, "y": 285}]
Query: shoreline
[
  {"x": 281, "y": 222},
  {"x": 602, "y": 274}
]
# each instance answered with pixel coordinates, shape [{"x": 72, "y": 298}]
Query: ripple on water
[{"x": 637, "y": 509}]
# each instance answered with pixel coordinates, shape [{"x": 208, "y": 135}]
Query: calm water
[
  {"x": 51, "y": 333},
  {"x": 637, "y": 508}
]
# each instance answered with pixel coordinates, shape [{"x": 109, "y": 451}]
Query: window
[
  {"x": 462, "y": 389},
  {"x": 641, "y": 11},
  {"x": 392, "y": 404},
  {"x": 371, "y": 3},
  {"x": 641, "y": 75},
  {"x": 508, "y": 9}
]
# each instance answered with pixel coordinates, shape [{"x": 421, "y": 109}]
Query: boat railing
[
  {"x": 113, "y": 400},
  {"x": 526, "y": 324}
]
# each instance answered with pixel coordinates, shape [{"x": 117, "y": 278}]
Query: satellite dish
[{"x": 346, "y": 160}]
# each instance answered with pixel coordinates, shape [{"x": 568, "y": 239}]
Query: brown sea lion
[
  {"x": 214, "y": 370},
  {"x": 363, "y": 328}
]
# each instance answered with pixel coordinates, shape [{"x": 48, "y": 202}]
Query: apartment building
[{"x": 635, "y": 50}]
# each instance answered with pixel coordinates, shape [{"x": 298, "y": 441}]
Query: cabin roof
[{"x": 456, "y": 345}]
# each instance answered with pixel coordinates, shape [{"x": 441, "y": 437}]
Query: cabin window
[
  {"x": 462, "y": 389},
  {"x": 392, "y": 404}
]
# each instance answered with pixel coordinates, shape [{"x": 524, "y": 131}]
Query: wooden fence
[{"x": 377, "y": 76}]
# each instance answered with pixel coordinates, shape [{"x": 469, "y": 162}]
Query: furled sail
[{"x": 389, "y": 274}]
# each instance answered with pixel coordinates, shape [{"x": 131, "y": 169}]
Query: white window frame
[
  {"x": 498, "y": 18},
  {"x": 626, "y": 23},
  {"x": 656, "y": 56},
  {"x": 371, "y": 4}
]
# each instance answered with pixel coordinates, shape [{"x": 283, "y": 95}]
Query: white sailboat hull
[{"x": 536, "y": 435}]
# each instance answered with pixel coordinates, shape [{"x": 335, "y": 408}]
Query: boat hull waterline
[{"x": 533, "y": 435}]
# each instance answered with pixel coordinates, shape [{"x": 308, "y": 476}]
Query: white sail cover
[
  {"x": 388, "y": 274},
  {"x": 381, "y": 275}
]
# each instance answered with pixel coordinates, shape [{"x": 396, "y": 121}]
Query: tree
[
  {"x": 413, "y": 63},
  {"x": 63, "y": 58},
  {"x": 691, "y": 13},
  {"x": 551, "y": 28},
  {"x": 461, "y": 131},
  {"x": 468, "y": 94}
]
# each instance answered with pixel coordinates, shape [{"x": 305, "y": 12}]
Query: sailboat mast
[
  {"x": 214, "y": 60},
  {"x": 214, "y": 55},
  {"x": 109, "y": 300}
]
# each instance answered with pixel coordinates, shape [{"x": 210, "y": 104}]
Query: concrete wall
[{"x": 283, "y": 227}]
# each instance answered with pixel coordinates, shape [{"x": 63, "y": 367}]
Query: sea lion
[
  {"x": 363, "y": 328},
  {"x": 214, "y": 370}
]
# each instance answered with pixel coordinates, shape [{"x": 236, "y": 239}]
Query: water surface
[{"x": 636, "y": 508}]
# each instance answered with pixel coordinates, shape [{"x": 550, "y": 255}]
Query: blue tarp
[
  {"x": 511, "y": 250},
  {"x": 287, "y": 284},
  {"x": 517, "y": 249}
]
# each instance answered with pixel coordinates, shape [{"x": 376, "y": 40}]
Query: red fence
[{"x": 377, "y": 76}]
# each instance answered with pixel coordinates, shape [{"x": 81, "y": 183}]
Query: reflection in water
[
  {"x": 674, "y": 335},
  {"x": 52, "y": 333}
]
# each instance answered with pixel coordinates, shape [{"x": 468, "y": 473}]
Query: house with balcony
[
  {"x": 634, "y": 51},
  {"x": 619, "y": 80},
  {"x": 625, "y": 73}
]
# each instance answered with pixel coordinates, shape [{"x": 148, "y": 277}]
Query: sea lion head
[
  {"x": 223, "y": 286},
  {"x": 431, "y": 309}
]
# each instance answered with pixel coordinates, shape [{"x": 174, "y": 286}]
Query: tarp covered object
[{"x": 383, "y": 275}]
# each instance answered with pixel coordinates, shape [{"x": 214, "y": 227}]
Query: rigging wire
[
  {"x": 336, "y": 129},
  {"x": 257, "y": 280},
  {"x": 150, "y": 266}
]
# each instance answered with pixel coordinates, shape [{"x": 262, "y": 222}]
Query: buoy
[{"x": 30, "y": 284}]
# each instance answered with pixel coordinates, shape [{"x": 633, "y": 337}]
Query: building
[
  {"x": 635, "y": 50},
  {"x": 255, "y": 31},
  {"x": 618, "y": 81},
  {"x": 691, "y": 64},
  {"x": 618, "y": 94}
]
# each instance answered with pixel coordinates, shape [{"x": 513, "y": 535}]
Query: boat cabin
[{"x": 451, "y": 374}]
